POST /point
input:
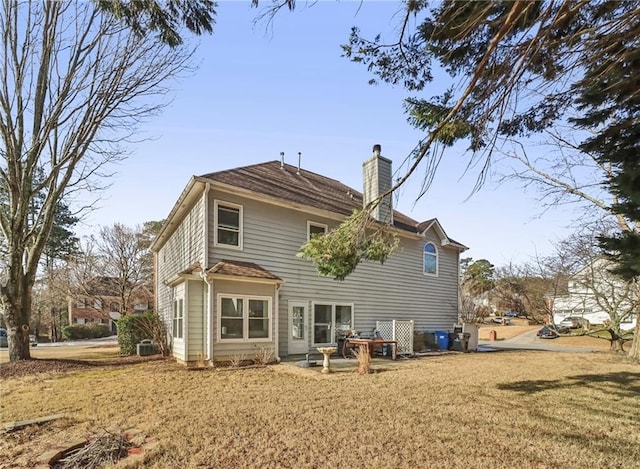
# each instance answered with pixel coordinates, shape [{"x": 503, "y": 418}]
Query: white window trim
[
  {"x": 316, "y": 224},
  {"x": 333, "y": 321},
  {"x": 217, "y": 203},
  {"x": 178, "y": 300},
  {"x": 437, "y": 256},
  {"x": 245, "y": 318}
]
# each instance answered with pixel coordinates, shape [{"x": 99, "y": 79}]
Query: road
[
  {"x": 111, "y": 340},
  {"x": 529, "y": 341}
]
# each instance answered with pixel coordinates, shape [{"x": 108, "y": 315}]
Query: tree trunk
[
  {"x": 616, "y": 345},
  {"x": 634, "y": 351},
  {"x": 16, "y": 296},
  {"x": 18, "y": 341},
  {"x": 17, "y": 319}
]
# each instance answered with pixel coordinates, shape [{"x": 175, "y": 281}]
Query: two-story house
[
  {"x": 101, "y": 303},
  {"x": 228, "y": 281}
]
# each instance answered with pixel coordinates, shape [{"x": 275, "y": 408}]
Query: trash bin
[
  {"x": 430, "y": 340},
  {"x": 461, "y": 342},
  {"x": 472, "y": 330},
  {"x": 442, "y": 339}
]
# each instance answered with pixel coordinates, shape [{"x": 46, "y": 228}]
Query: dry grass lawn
[
  {"x": 483, "y": 410},
  {"x": 69, "y": 353}
]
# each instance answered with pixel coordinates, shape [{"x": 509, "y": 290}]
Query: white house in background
[
  {"x": 592, "y": 292},
  {"x": 228, "y": 281}
]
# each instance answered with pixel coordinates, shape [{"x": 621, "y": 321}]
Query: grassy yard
[
  {"x": 70, "y": 353},
  {"x": 483, "y": 410}
]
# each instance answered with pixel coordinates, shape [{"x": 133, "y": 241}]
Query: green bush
[
  {"x": 134, "y": 328},
  {"x": 85, "y": 331}
]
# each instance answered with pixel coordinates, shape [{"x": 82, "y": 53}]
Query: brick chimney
[{"x": 376, "y": 172}]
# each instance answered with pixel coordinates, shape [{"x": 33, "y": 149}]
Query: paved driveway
[{"x": 529, "y": 341}]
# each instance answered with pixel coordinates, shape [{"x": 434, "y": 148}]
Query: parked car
[
  {"x": 511, "y": 314},
  {"x": 33, "y": 340},
  {"x": 572, "y": 322},
  {"x": 501, "y": 320},
  {"x": 547, "y": 332}
]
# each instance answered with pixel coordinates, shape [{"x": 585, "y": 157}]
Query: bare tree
[
  {"x": 594, "y": 289},
  {"x": 562, "y": 173},
  {"x": 123, "y": 257},
  {"x": 74, "y": 85}
]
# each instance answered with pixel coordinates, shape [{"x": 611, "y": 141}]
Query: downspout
[
  {"x": 277, "y": 321},
  {"x": 206, "y": 320},
  {"x": 207, "y": 315}
]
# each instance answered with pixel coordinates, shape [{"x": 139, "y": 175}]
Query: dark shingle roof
[
  {"x": 306, "y": 188},
  {"x": 241, "y": 269}
]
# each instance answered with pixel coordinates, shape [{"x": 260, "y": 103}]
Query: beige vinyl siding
[
  {"x": 184, "y": 247},
  {"x": 396, "y": 290},
  {"x": 225, "y": 350},
  {"x": 195, "y": 311}
]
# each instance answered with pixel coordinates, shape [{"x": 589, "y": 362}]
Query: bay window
[{"x": 244, "y": 318}]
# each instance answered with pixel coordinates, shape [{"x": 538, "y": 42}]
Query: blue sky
[{"x": 264, "y": 89}]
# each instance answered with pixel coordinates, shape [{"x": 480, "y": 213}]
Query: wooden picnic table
[{"x": 371, "y": 344}]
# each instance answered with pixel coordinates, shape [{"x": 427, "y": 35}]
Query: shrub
[
  {"x": 264, "y": 356},
  {"x": 85, "y": 331},
  {"x": 134, "y": 328}
]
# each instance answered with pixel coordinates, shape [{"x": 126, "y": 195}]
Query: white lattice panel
[{"x": 400, "y": 331}]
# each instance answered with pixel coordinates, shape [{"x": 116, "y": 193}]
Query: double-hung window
[
  {"x": 430, "y": 259},
  {"x": 178, "y": 318},
  {"x": 228, "y": 224},
  {"x": 315, "y": 229},
  {"x": 244, "y": 318}
]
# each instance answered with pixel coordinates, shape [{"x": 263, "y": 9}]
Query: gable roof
[
  {"x": 284, "y": 181},
  {"x": 301, "y": 187}
]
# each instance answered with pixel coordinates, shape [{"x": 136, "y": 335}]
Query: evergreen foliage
[
  {"x": 165, "y": 19},
  {"x": 85, "y": 331},
  {"x": 521, "y": 67},
  {"x": 134, "y": 328},
  {"x": 338, "y": 253}
]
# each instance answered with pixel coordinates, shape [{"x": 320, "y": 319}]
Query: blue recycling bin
[{"x": 442, "y": 339}]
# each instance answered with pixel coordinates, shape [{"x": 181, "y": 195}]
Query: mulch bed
[{"x": 36, "y": 366}]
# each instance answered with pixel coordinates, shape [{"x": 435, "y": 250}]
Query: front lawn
[{"x": 483, "y": 410}]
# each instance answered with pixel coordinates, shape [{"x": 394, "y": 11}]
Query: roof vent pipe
[
  {"x": 282, "y": 159},
  {"x": 299, "y": 158}
]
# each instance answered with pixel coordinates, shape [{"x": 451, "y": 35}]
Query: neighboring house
[
  {"x": 592, "y": 293},
  {"x": 228, "y": 281},
  {"x": 101, "y": 303}
]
